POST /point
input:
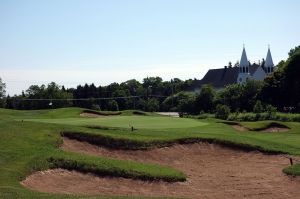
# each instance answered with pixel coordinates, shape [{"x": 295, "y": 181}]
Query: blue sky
[{"x": 102, "y": 41}]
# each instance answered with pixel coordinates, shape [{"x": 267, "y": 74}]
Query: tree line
[
  {"x": 280, "y": 90},
  {"x": 132, "y": 94}
]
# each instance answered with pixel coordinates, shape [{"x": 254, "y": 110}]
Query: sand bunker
[
  {"x": 272, "y": 128},
  {"x": 84, "y": 114},
  {"x": 239, "y": 127},
  {"x": 213, "y": 172},
  {"x": 171, "y": 114}
]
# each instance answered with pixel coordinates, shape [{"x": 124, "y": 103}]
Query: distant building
[{"x": 221, "y": 77}]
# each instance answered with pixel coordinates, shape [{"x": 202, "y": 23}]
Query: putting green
[{"x": 143, "y": 122}]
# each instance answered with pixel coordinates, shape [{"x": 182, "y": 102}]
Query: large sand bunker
[{"x": 213, "y": 172}]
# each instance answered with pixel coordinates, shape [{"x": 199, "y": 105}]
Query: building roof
[
  {"x": 218, "y": 77},
  {"x": 221, "y": 77},
  {"x": 253, "y": 68},
  {"x": 244, "y": 60},
  {"x": 269, "y": 60}
]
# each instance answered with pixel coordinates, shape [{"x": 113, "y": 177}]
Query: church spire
[
  {"x": 269, "y": 60},
  {"x": 244, "y": 64},
  {"x": 244, "y": 60}
]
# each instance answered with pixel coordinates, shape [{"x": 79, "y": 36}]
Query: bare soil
[
  {"x": 213, "y": 172},
  {"x": 84, "y": 114},
  {"x": 239, "y": 127},
  {"x": 269, "y": 129},
  {"x": 275, "y": 129},
  {"x": 171, "y": 114}
]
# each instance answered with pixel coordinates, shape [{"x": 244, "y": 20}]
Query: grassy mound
[
  {"x": 141, "y": 144},
  {"x": 102, "y": 113},
  {"x": 116, "y": 168},
  {"x": 258, "y": 126},
  {"x": 262, "y": 125},
  {"x": 293, "y": 170}
]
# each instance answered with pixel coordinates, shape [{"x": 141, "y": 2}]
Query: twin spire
[
  {"x": 269, "y": 60},
  {"x": 244, "y": 60}
]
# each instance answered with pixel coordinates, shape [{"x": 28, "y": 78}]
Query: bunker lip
[
  {"x": 213, "y": 172},
  {"x": 128, "y": 144},
  {"x": 93, "y": 114},
  {"x": 270, "y": 128}
]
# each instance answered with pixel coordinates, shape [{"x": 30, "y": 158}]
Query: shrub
[
  {"x": 258, "y": 108},
  {"x": 222, "y": 111},
  {"x": 271, "y": 115},
  {"x": 205, "y": 99},
  {"x": 271, "y": 110},
  {"x": 113, "y": 105},
  {"x": 96, "y": 107},
  {"x": 152, "y": 105}
]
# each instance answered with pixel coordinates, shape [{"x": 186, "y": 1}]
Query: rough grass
[
  {"x": 116, "y": 168},
  {"x": 257, "y": 126},
  {"x": 261, "y": 125},
  {"x": 293, "y": 170},
  {"x": 29, "y": 146}
]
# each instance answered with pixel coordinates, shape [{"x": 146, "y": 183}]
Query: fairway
[
  {"x": 139, "y": 122},
  {"x": 57, "y": 152}
]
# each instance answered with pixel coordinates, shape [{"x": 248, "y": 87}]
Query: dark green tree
[
  {"x": 2, "y": 93},
  {"x": 222, "y": 111},
  {"x": 205, "y": 99},
  {"x": 258, "y": 107},
  {"x": 152, "y": 105},
  {"x": 113, "y": 105},
  {"x": 282, "y": 88}
]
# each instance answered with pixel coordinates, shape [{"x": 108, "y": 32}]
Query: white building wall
[
  {"x": 259, "y": 74},
  {"x": 242, "y": 77}
]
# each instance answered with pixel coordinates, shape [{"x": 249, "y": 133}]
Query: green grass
[
  {"x": 139, "y": 122},
  {"x": 259, "y": 125},
  {"x": 32, "y": 145},
  {"x": 292, "y": 170}
]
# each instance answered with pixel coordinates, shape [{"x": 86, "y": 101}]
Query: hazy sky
[{"x": 74, "y": 42}]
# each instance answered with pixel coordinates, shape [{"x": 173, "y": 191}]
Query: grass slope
[
  {"x": 32, "y": 144},
  {"x": 139, "y": 122}
]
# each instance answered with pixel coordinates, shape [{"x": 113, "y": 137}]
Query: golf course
[{"x": 61, "y": 153}]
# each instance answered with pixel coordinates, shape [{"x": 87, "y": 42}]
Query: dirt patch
[
  {"x": 73, "y": 182},
  {"x": 213, "y": 172},
  {"x": 171, "y": 114},
  {"x": 93, "y": 115},
  {"x": 271, "y": 128},
  {"x": 239, "y": 127},
  {"x": 274, "y": 129},
  {"x": 236, "y": 126}
]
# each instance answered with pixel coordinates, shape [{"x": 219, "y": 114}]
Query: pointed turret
[
  {"x": 269, "y": 62},
  {"x": 244, "y": 64},
  {"x": 244, "y": 60},
  {"x": 243, "y": 68}
]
